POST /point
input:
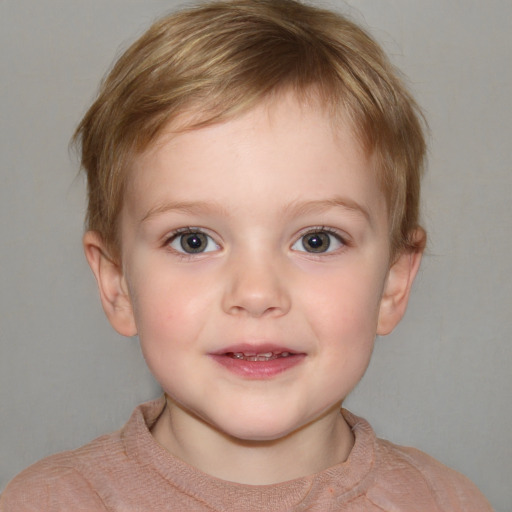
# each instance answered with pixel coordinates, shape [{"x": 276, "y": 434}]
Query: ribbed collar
[{"x": 340, "y": 482}]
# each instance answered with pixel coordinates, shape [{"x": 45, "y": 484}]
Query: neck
[{"x": 310, "y": 449}]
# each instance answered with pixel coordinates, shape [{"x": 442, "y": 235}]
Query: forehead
[
  {"x": 282, "y": 150},
  {"x": 286, "y": 102}
]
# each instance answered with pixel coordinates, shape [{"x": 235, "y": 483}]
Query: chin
[
  {"x": 263, "y": 428},
  {"x": 263, "y": 435}
]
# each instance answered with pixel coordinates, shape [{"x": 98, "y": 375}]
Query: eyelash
[
  {"x": 326, "y": 230},
  {"x": 299, "y": 240},
  {"x": 187, "y": 231}
]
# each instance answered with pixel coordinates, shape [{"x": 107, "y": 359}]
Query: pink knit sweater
[{"x": 129, "y": 471}]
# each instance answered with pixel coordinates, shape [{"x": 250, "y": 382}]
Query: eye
[
  {"x": 192, "y": 242},
  {"x": 318, "y": 241}
]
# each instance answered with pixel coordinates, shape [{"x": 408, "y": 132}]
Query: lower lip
[{"x": 258, "y": 369}]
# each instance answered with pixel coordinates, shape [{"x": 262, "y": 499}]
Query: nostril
[
  {"x": 254, "y": 310},
  {"x": 254, "y": 289}
]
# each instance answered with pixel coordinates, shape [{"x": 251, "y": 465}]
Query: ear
[
  {"x": 397, "y": 290},
  {"x": 111, "y": 283}
]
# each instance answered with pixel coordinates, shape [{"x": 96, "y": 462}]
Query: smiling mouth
[
  {"x": 265, "y": 356},
  {"x": 258, "y": 361}
]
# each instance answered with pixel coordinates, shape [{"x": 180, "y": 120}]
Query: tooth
[{"x": 264, "y": 356}]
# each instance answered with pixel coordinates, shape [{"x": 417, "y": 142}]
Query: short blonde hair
[{"x": 219, "y": 59}]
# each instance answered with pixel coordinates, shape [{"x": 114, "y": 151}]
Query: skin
[{"x": 257, "y": 187}]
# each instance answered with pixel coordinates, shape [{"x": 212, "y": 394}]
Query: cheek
[
  {"x": 344, "y": 302},
  {"x": 342, "y": 312},
  {"x": 169, "y": 312},
  {"x": 165, "y": 330}
]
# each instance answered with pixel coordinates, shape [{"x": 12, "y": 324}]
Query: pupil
[
  {"x": 193, "y": 243},
  {"x": 317, "y": 242}
]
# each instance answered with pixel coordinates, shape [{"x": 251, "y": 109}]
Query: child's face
[{"x": 267, "y": 234}]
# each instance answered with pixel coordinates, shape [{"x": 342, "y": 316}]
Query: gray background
[{"x": 441, "y": 382}]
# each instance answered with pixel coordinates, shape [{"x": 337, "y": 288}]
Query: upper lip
[{"x": 252, "y": 349}]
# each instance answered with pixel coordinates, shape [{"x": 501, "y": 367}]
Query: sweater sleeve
[
  {"x": 50, "y": 487},
  {"x": 449, "y": 490},
  {"x": 453, "y": 490}
]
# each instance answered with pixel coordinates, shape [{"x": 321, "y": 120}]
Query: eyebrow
[
  {"x": 305, "y": 207},
  {"x": 295, "y": 208},
  {"x": 191, "y": 207}
]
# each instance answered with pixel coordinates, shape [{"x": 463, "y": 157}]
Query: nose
[{"x": 255, "y": 287}]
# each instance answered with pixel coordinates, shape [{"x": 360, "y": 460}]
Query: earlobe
[
  {"x": 114, "y": 294},
  {"x": 397, "y": 290}
]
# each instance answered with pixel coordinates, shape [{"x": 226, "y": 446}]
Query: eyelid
[
  {"x": 184, "y": 230},
  {"x": 173, "y": 235},
  {"x": 341, "y": 237}
]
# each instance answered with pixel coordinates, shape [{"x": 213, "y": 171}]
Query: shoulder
[
  {"x": 406, "y": 479},
  {"x": 60, "y": 482},
  {"x": 85, "y": 478},
  {"x": 449, "y": 490}
]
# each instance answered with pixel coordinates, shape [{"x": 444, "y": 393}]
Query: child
[{"x": 253, "y": 175}]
